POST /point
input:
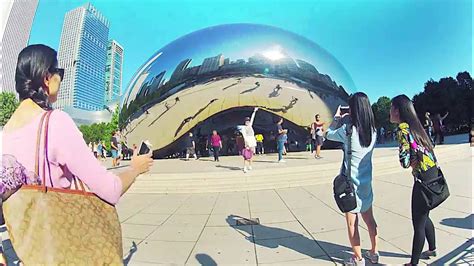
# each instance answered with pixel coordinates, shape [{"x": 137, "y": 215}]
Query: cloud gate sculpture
[{"x": 214, "y": 77}]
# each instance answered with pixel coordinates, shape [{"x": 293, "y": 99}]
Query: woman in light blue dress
[{"x": 360, "y": 117}]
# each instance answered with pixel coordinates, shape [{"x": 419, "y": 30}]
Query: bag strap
[
  {"x": 45, "y": 152},
  {"x": 38, "y": 143},
  {"x": 349, "y": 150},
  {"x": 46, "y": 159}
]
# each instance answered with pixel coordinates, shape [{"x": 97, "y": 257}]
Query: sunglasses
[{"x": 59, "y": 71}]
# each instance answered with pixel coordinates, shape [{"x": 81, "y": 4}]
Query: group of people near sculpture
[{"x": 68, "y": 157}]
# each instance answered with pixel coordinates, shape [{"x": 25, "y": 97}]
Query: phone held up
[
  {"x": 344, "y": 110},
  {"x": 145, "y": 147}
]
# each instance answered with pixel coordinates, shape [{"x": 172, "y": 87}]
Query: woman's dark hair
[
  {"x": 34, "y": 64},
  {"x": 408, "y": 115},
  {"x": 362, "y": 117}
]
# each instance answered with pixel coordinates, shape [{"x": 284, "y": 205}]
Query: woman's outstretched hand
[{"x": 141, "y": 163}]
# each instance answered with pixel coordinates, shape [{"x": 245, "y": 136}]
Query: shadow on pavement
[
  {"x": 233, "y": 168},
  {"x": 132, "y": 251},
  {"x": 465, "y": 223},
  {"x": 298, "y": 242},
  {"x": 260, "y": 161},
  {"x": 205, "y": 260},
  {"x": 461, "y": 255}
]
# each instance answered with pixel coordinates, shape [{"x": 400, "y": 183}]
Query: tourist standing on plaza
[
  {"x": 428, "y": 126},
  {"x": 361, "y": 129},
  {"x": 114, "y": 149},
  {"x": 317, "y": 133},
  {"x": 190, "y": 146},
  {"x": 281, "y": 139},
  {"x": 100, "y": 150},
  {"x": 415, "y": 151},
  {"x": 216, "y": 144},
  {"x": 65, "y": 156},
  {"x": 382, "y": 135},
  {"x": 259, "y": 138},
  {"x": 249, "y": 140},
  {"x": 94, "y": 145},
  {"x": 439, "y": 128}
]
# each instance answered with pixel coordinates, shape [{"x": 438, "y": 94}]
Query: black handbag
[
  {"x": 343, "y": 188},
  {"x": 434, "y": 188}
]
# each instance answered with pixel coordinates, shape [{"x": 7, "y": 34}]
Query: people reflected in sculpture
[
  {"x": 276, "y": 91},
  {"x": 190, "y": 118}
]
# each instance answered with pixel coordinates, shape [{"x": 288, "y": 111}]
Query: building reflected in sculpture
[{"x": 192, "y": 82}]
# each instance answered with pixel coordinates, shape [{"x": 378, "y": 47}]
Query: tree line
[{"x": 453, "y": 95}]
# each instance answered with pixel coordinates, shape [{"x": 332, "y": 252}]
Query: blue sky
[{"x": 388, "y": 47}]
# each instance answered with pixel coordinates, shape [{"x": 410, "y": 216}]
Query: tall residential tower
[
  {"x": 113, "y": 73},
  {"x": 15, "y": 37}
]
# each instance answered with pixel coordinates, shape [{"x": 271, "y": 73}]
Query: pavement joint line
[
  {"x": 157, "y": 227},
  {"x": 203, "y": 228},
  {"x": 139, "y": 210},
  {"x": 455, "y": 210},
  {"x": 139, "y": 242},
  {"x": 296, "y": 260},
  {"x": 169, "y": 241},
  {"x": 251, "y": 228},
  {"x": 437, "y": 228},
  {"x": 302, "y": 225},
  {"x": 316, "y": 197}
]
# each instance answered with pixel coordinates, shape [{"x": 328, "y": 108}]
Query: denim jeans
[{"x": 280, "y": 145}]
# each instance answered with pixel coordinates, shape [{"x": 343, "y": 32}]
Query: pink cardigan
[{"x": 68, "y": 155}]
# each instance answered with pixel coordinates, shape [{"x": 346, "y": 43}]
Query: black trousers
[
  {"x": 216, "y": 150},
  {"x": 422, "y": 225},
  {"x": 439, "y": 136},
  {"x": 259, "y": 147}
]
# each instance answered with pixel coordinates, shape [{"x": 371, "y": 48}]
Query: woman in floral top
[{"x": 416, "y": 151}]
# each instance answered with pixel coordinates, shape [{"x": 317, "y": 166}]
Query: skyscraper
[
  {"x": 211, "y": 64},
  {"x": 15, "y": 37},
  {"x": 178, "y": 71},
  {"x": 113, "y": 73},
  {"x": 83, "y": 55}
]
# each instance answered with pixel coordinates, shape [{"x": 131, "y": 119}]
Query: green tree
[
  {"x": 8, "y": 105},
  {"x": 101, "y": 131},
  {"x": 381, "y": 110},
  {"x": 448, "y": 95}
]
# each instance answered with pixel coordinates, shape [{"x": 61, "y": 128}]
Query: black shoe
[{"x": 426, "y": 255}]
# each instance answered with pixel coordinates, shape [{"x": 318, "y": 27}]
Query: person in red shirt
[{"x": 216, "y": 144}]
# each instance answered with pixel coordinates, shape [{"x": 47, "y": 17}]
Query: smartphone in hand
[
  {"x": 144, "y": 148},
  {"x": 344, "y": 110}
]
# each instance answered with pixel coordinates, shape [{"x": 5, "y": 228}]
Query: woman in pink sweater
[{"x": 37, "y": 80}]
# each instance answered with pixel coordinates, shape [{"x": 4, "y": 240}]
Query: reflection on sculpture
[{"x": 230, "y": 66}]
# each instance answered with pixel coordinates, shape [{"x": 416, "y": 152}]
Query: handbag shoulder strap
[
  {"x": 349, "y": 150},
  {"x": 38, "y": 142}
]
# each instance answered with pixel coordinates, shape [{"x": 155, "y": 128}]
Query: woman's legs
[
  {"x": 215, "y": 150},
  {"x": 353, "y": 230},
  {"x": 280, "y": 150},
  {"x": 422, "y": 226},
  {"x": 318, "y": 151},
  {"x": 369, "y": 220}
]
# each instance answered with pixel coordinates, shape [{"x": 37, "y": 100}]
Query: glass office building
[{"x": 83, "y": 55}]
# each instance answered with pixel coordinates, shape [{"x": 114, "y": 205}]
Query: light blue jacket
[{"x": 361, "y": 164}]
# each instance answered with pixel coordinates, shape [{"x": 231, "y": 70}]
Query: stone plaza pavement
[
  {"x": 299, "y": 224},
  {"x": 166, "y": 221}
]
